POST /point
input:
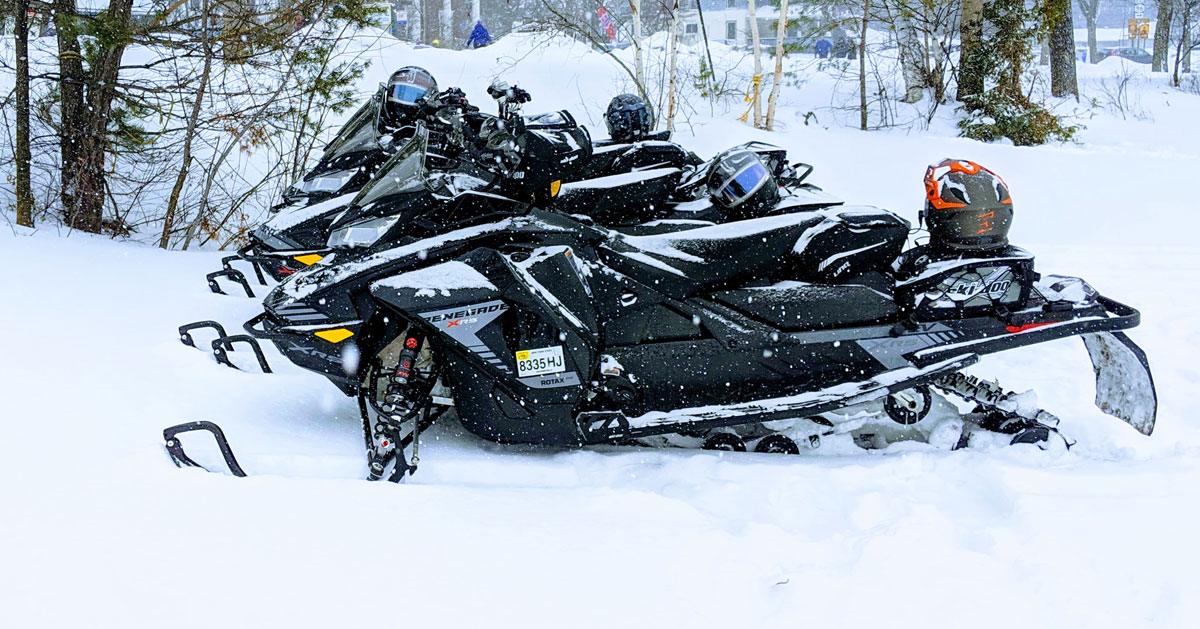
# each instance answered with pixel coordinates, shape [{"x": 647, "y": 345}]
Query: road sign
[{"x": 1139, "y": 9}]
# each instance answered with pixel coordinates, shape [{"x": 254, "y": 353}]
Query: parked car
[{"x": 1136, "y": 55}]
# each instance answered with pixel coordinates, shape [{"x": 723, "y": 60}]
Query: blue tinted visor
[
  {"x": 744, "y": 183},
  {"x": 407, "y": 93}
]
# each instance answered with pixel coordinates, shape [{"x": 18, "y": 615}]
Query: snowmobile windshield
[
  {"x": 404, "y": 172},
  {"x": 358, "y": 134}
]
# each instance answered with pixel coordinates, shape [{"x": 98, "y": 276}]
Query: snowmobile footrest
[
  {"x": 175, "y": 447},
  {"x": 233, "y": 275},
  {"x": 185, "y": 331},
  {"x": 222, "y": 345}
]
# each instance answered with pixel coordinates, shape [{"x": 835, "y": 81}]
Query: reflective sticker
[{"x": 536, "y": 362}]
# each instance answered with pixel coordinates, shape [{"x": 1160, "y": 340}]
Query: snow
[
  {"x": 438, "y": 279},
  {"x": 98, "y": 529}
]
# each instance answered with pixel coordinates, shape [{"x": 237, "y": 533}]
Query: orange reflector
[
  {"x": 309, "y": 259},
  {"x": 555, "y": 186},
  {"x": 336, "y": 335}
]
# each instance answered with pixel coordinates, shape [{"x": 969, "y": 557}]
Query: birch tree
[
  {"x": 672, "y": 69},
  {"x": 780, "y": 35},
  {"x": 635, "y": 11},
  {"x": 756, "y": 82}
]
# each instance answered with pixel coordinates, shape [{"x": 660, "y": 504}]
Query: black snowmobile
[
  {"x": 769, "y": 333},
  {"x": 547, "y": 159}
]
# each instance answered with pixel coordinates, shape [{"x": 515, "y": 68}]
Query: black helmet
[
  {"x": 967, "y": 206},
  {"x": 628, "y": 118},
  {"x": 741, "y": 185},
  {"x": 405, "y": 87}
]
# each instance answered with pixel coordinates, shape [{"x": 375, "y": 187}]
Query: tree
[
  {"x": 1162, "y": 35},
  {"x": 86, "y": 103},
  {"x": 1187, "y": 10},
  {"x": 673, "y": 60},
  {"x": 635, "y": 13},
  {"x": 756, "y": 81},
  {"x": 780, "y": 51},
  {"x": 1090, "y": 9},
  {"x": 24, "y": 190},
  {"x": 912, "y": 54},
  {"x": 972, "y": 58},
  {"x": 1062, "y": 49}
]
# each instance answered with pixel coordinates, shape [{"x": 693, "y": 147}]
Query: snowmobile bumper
[
  {"x": 277, "y": 264},
  {"x": 181, "y": 459},
  {"x": 1124, "y": 384},
  {"x": 224, "y": 343},
  {"x": 327, "y": 348}
]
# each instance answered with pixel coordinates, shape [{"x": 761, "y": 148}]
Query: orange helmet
[{"x": 967, "y": 206}]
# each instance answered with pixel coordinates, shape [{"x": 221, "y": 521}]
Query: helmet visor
[
  {"x": 407, "y": 93},
  {"x": 743, "y": 183}
]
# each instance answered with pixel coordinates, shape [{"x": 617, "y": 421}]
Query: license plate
[{"x": 541, "y": 361}]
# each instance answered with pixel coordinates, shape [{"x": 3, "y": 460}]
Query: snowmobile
[
  {"x": 770, "y": 333},
  {"x": 527, "y": 158}
]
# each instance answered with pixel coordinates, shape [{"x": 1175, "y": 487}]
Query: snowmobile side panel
[{"x": 1124, "y": 385}]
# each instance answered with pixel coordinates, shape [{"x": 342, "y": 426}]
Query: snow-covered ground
[{"x": 98, "y": 529}]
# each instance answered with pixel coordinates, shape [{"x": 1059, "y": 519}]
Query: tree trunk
[
  {"x": 672, "y": 72},
  {"x": 912, "y": 55},
  {"x": 780, "y": 34},
  {"x": 635, "y": 10},
  {"x": 756, "y": 82},
  {"x": 1090, "y": 9},
  {"x": 1062, "y": 52},
  {"x": 24, "y": 189},
  {"x": 862, "y": 67},
  {"x": 71, "y": 123},
  {"x": 85, "y": 108},
  {"x": 1162, "y": 35},
  {"x": 447, "y": 31},
  {"x": 475, "y": 17},
  {"x": 970, "y": 75},
  {"x": 164, "y": 241}
]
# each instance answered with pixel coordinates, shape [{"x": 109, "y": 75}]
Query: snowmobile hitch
[
  {"x": 222, "y": 345},
  {"x": 231, "y": 273},
  {"x": 180, "y": 458}
]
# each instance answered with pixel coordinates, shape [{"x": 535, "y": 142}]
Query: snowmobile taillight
[
  {"x": 1013, "y": 329},
  {"x": 285, "y": 270}
]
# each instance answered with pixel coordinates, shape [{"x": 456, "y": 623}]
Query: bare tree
[
  {"x": 635, "y": 11},
  {"x": 673, "y": 63},
  {"x": 756, "y": 81},
  {"x": 24, "y": 188},
  {"x": 780, "y": 51},
  {"x": 1090, "y": 10},
  {"x": 1162, "y": 35}
]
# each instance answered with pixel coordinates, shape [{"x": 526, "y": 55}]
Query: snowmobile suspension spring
[{"x": 991, "y": 395}]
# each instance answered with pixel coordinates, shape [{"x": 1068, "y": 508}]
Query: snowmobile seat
[
  {"x": 800, "y": 306},
  {"x": 827, "y": 246},
  {"x": 694, "y": 261}
]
